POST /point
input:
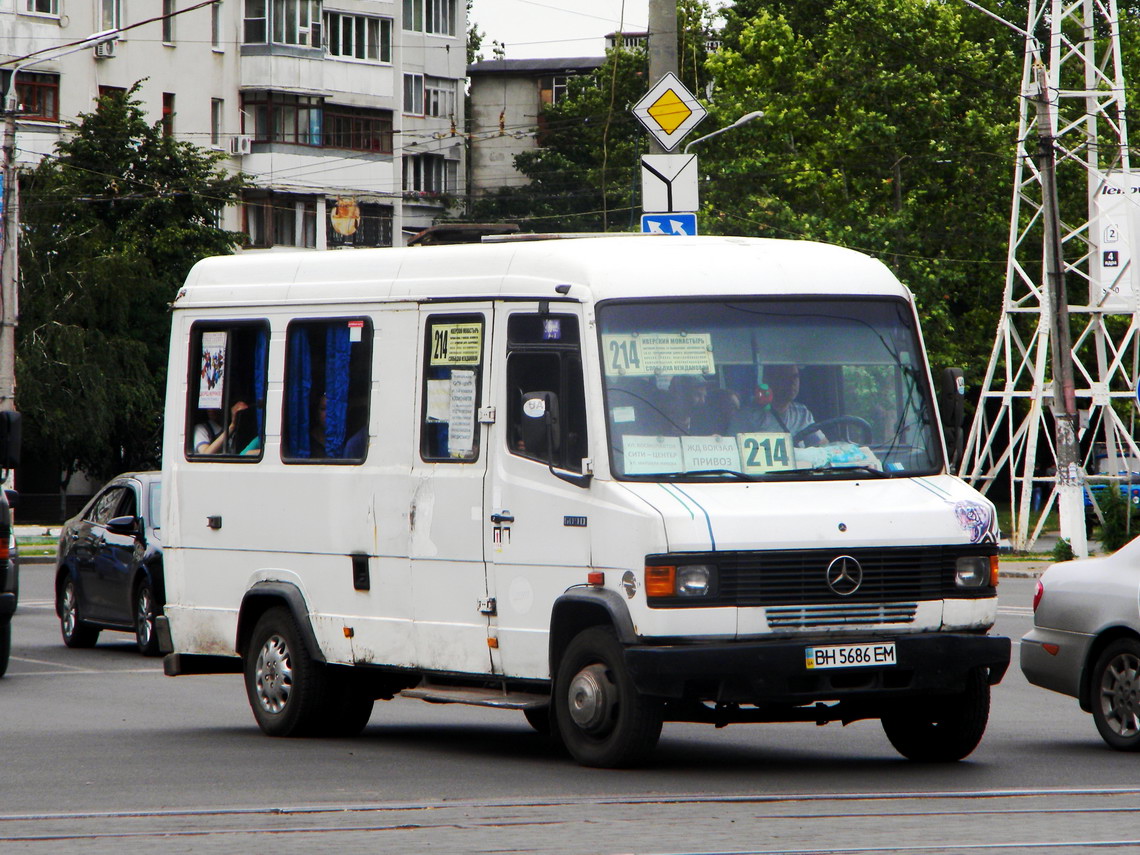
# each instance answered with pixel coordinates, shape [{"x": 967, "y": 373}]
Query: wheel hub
[
  {"x": 591, "y": 697},
  {"x": 1123, "y": 696},
  {"x": 274, "y": 675}
]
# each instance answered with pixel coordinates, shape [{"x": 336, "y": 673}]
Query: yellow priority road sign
[{"x": 669, "y": 111}]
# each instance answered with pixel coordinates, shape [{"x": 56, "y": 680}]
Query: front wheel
[
  {"x": 602, "y": 718},
  {"x": 286, "y": 687},
  {"x": 941, "y": 728},
  {"x": 5, "y": 646},
  {"x": 1116, "y": 694},
  {"x": 145, "y": 613}
]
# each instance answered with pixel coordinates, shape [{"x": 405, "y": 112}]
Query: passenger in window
[
  {"x": 354, "y": 445},
  {"x": 211, "y": 436},
  {"x": 687, "y": 397},
  {"x": 774, "y": 407}
]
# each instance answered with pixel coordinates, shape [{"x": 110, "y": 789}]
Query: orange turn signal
[
  {"x": 660, "y": 581},
  {"x": 995, "y": 563}
]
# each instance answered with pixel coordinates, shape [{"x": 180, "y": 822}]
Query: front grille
[
  {"x": 806, "y": 617},
  {"x": 798, "y": 577}
]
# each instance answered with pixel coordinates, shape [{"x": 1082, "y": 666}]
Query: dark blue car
[{"x": 109, "y": 564}]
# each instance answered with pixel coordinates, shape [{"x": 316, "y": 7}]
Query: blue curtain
[
  {"x": 337, "y": 348},
  {"x": 260, "y": 357},
  {"x": 300, "y": 374}
]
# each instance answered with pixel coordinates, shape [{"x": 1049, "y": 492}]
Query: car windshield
[{"x": 766, "y": 389}]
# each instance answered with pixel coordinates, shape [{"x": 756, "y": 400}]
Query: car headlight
[
  {"x": 975, "y": 571},
  {"x": 683, "y": 580}
]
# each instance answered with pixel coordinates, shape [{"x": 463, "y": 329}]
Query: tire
[
  {"x": 1115, "y": 694},
  {"x": 5, "y": 646},
  {"x": 540, "y": 719},
  {"x": 286, "y": 687},
  {"x": 76, "y": 633},
  {"x": 602, "y": 719},
  {"x": 348, "y": 705},
  {"x": 145, "y": 613},
  {"x": 942, "y": 728}
]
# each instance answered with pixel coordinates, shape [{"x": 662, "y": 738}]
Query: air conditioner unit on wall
[
  {"x": 105, "y": 50},
  {"x": 241, "y": 144}
]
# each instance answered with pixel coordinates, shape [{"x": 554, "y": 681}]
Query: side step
[{"x": 477, "y": 696}]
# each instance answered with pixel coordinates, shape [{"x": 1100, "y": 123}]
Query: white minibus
[{"x": 607, "y": 481}]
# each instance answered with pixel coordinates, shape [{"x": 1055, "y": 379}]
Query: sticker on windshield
[
  {"x": 649, "y": 455},
  {"x": 658, "y": 353},
  {"x": 766, "y": 452},
  {"x": 710, "y": 452}
]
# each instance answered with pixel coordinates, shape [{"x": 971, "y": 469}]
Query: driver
[{"x": 775, "y": 409}]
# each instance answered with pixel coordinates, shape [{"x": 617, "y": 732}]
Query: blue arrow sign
[{"x": 669, "y": 224}]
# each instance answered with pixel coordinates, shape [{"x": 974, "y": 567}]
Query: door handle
[{"x": 502, "y": 517}]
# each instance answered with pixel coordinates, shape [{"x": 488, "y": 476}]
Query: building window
[
  {"x": 553, "y": 88},
  {"x": 283, "y": 22},
  {"x": 217, "y": 111},
  {"x": 37, "y": 95},
  {"x": 280, "y": 219},
  {"x": 414, "y": 94},
  {"x": 352, "y": 224},
  {"x": 216, "y": 25},
  {"x": 278, "y": 117},
  {"x": 168, "y": 22},
  {"x": 110, "y": 14},
  {"x": 430, "y": 174},
  {"x": 359, "y": 37},
  {"x": 168, "y": 114},
  {"x": 358, "y": 129},
  {"x": 327, "y": 378},
  {"x": 42, "y": 7},
  {"x": 430, "y": 16},
  {"x": 439, "y": 97}
]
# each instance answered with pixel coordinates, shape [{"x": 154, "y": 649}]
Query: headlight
[
  {"x": 973, "y": 571},
  {"x": 685, "y": 580}
]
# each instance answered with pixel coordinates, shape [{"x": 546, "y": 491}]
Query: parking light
[{"x": 973, "y": 571}]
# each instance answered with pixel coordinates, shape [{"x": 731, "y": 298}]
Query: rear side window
[
  {"x": 328, "y": 366},
  {"x": 226, "y": 387},
  {"x": 452, "y": 377}
]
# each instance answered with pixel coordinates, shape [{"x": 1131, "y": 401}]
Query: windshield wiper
[
  {"x": 827, "y": 470},
  {"x": 677, "y": 476}
]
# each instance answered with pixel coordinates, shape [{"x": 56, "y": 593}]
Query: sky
[{"x": 553, "y": 28}]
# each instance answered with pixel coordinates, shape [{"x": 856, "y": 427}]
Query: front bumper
[{"x": 773, "y": 672}]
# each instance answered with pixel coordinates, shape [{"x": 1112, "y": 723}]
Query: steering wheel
[{"x": 862, "y": 424}]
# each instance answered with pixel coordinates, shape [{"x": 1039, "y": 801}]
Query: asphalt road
[{"x": 99, "y": 752}]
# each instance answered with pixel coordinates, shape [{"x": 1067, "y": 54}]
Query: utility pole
[
  {"x": 662, "y": 47},
  {"x": 1070, "y": 486}
]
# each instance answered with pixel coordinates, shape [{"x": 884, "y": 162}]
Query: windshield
[{"x": 765, "y": 389}]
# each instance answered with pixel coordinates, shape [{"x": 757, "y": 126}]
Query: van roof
[{"x": 595, "y": 268}]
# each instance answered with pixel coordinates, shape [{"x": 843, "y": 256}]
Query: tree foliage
[{"x": 111, "y": 226}]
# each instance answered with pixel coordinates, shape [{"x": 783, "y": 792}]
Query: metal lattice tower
[{"x": 1012, "y": 433}]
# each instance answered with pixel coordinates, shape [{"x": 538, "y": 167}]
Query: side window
[
  {"x": 452, "y": 384},
  {"x": 106, "y": 506},
  {"x": 328, "y": 374},
  {"x": 545, "y": 393},
  {"x": 226, "y": 389}
]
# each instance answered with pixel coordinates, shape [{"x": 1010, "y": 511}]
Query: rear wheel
[
  {"x": 601, "y": 717},
  {"x": 941, "y": 728},
  {"x": 145, "y": 613},
  {"x": 1116, "y": 695},
  {"x": 76, "y": 633},
  {"x": 286, "y": 687},
  {"x": 5, "y": 646}
]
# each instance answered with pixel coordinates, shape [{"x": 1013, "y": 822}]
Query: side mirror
[
  {"x": 123, "y": 525},
  {"x": 541, "y": 435},
  {"x": 9, "y": 439},
  {"x": 952, "y": 405}
]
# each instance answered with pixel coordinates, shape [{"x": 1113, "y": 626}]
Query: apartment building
[{"x": 347, "y": 114}]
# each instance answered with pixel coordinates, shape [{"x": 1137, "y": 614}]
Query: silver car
[{"x": 1085, "y": 640}]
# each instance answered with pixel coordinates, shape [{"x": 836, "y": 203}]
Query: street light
[
  {"x": 743, "y": 120},
  {"x": 9, "y": 264}
]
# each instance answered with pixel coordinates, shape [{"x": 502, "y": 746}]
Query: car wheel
[
  {"x": 941, "y": 728},
  {"x": 1116, "y": 694},
  {"x": 539, "y": 719},
  {"x": 5, "y": 646},
  {"x": 145, "y": 613},
  {"x": 348, "y": 704},
  {"x": 75, "y": 632},
  {"x": 602, "y": 718},
  {"x": 285, "y": 685}
]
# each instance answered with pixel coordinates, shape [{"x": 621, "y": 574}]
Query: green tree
[
  {"x": 889, "y": 127},
  {"x": 111, "y": 225}
]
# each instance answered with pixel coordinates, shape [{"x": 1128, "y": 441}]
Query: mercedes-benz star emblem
[{"x": 844, "y": 575}]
